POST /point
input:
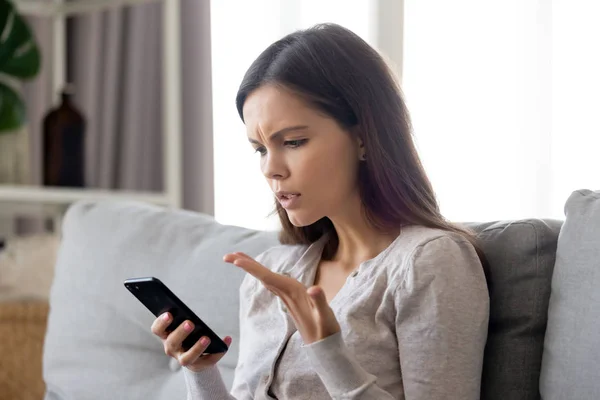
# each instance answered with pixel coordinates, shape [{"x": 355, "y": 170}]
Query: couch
[{"x": 544, "y": 334}]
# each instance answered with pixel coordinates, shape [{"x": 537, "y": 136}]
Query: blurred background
[
  {"x": 503, "y": 97},
  {"x": 135, "y": 99}
]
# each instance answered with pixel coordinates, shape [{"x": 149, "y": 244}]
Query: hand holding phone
[{"x": 173, "y": 323}]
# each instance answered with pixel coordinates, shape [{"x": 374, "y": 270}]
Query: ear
[{"x": 362, "y": 154}]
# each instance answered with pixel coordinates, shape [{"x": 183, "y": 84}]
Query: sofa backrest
[
  {"x": 521, "y": 257},
  {"x": 99, "y": 344}
]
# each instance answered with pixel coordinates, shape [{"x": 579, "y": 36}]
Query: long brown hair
[{"x": 342, "y": 76}]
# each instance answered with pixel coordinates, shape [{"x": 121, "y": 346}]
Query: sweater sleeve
[
  {"x": 442, "y": 321},
  {"x": 205, "y": 385},
  {"x": 341, "y": 373},
  {"x": 442, "y": 310}
]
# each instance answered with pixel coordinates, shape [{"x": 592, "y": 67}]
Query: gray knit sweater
[{"x": 413, "y": 322}]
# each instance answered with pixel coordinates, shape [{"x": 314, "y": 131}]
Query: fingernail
[
  {"x": 166, "y": 316},
  {"x": 188, "y": 327},
  {"x": 204, "y": 341}
]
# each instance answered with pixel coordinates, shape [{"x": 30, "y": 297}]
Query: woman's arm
[
  {"x": 442, "y": 308},
  {"x": 340, "y": 372},
  {"x": 442, "y": 321},
  {"x": 206, "y": 385}
]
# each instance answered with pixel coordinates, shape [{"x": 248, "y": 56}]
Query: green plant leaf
[
  {"x": 19, "y": 52},
  {"x": 12, "y": 109}
]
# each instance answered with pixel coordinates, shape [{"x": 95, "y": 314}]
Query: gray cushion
[
  {"x": 98, "y": 343},
  {"x": 521, "y": 257},
  {"x": 571, "y": 364}
]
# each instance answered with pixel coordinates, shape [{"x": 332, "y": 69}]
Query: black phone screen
[{"x": 157, "y": 297}]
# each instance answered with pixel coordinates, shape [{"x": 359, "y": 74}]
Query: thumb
[{"x": 318, "y": 299}]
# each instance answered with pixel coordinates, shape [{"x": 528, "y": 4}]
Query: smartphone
[{"x": 157, "y": 298}]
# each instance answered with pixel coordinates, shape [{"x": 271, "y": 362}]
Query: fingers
[
  {"x": 194, "y": 358},
  {"x": 232, "y": 257},
  {"x": 254, "y": 268},
  {"x": 172, "y": 343},
  {"x": 238, "y": 254},
  {"x": 291, "y": 292},
  {"x": 160, "y": 325},
  {"x": 194, "y": 352},
  {"x": 243, "y": 260}
]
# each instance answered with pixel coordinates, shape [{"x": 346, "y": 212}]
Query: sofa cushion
[
  {"x": 521, "y": 257},
  {"x": 572, "y": 349},
  {"x": 98, "y": 343}
]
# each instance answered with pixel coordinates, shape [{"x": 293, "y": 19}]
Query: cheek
[
  {"x": 332, "y": 176},
  {"x": 327, "y": 161},
  {"x": 337, "y": 170},
  {"x": 329, "y": 178}
]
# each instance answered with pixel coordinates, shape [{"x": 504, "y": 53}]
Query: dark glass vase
[{"x": 64, "y": 144}]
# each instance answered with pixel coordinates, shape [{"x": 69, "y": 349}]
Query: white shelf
[
  {"x": 50, "y": 8},
  {"x": 15, "y": 199},
  {"x": 65, "y": 196}
]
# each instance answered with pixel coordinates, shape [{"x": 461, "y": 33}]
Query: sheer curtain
[
  {"x": 115, "y": 61},
  {"x": 502, "y": 95}
]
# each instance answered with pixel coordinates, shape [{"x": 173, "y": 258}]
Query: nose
[{"x": 273, "y": 166}]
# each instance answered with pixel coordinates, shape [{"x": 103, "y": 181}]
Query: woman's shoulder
[
  {"x": 416, "y": 237},
  {"x": 428, "y": 248},
  {"x": 429, "y": 251}
]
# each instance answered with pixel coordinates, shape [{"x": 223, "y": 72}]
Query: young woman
[{"x": 373, "y": 294}]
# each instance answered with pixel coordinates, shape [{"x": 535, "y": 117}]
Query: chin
[{"x": 300, "y": 219}]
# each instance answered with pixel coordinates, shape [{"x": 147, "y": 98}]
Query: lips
[
  {"x": 287, "y": 195},
  {"x": 288, "y": 200}
]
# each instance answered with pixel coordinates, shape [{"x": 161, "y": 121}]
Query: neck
[{"x": 359, "y": 240}]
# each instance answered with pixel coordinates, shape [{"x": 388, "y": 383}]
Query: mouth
[
  {"x": 288, "y": 199},
  {"x": 286, "y": 195}
]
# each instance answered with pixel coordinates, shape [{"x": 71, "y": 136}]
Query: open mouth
[
  {"x": 288, "y": 200},
  {"x": 287, "y": 196}
]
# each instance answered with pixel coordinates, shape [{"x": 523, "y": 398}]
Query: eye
[
  {"x": 261, "y": 150},
  {"x": 295, "y": 143}
]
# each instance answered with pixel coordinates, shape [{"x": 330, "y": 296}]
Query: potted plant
[{"x": 19, "y": 61}]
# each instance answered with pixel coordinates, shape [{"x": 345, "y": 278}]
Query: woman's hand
[
  {"x": 172, "y": 343},
  {"x": 309, "y": 309}
]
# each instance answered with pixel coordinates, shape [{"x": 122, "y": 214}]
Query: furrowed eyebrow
[{"x": 281, "y": 132}]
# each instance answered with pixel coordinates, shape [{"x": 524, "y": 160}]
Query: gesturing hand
[{"x": 309, "y": 309}]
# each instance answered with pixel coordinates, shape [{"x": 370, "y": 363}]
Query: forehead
[{"x": 269, "y": 107}]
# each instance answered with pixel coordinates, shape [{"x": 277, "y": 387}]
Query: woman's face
[{"x": 310, "y": 162}]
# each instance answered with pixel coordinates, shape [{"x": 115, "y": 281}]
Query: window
[
  {"x": 240, "y": 31},
  {"x": 502, "y": 94},
  {"x": 503, "y": 98}
]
